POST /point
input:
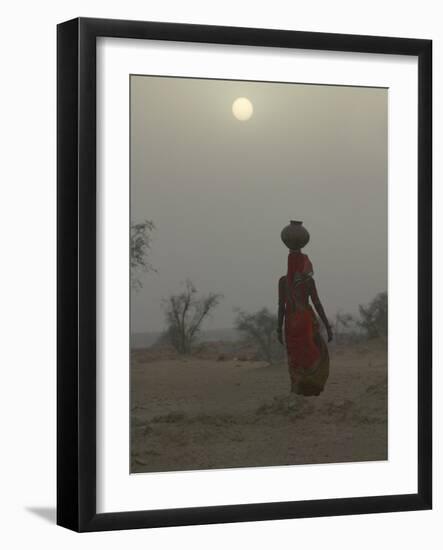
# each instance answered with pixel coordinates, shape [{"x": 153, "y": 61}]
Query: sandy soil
[{"x": 197, "y": 413}]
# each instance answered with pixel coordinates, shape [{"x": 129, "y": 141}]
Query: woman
[{"x": 308, "y": 357}]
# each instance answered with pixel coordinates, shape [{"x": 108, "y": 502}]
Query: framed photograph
[{"x": 244, "y": 274}]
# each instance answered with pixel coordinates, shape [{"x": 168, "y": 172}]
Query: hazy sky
[{"x": 220, "y": 190}]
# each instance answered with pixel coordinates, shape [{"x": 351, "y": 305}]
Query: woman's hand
[{"x": 329, "y": 331}]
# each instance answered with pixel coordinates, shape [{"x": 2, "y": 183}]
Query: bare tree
[
  {"x": 344, "y": 323},
  {"x": 185, "y": 313},
  {"x": 374, "y": 317},
  {"x": 141, "y": 237},
  {"x": 259, "y": 327}
]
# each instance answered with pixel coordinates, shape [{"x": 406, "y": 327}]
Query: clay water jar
[{"x": 295, "y": 235}]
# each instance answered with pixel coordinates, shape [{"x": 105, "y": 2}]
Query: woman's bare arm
[
  {"x": 281, "y": 308},
  {"x": 319, "y": 308}
]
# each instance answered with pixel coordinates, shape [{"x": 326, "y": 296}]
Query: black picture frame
[{"x": 76, "y": 295}]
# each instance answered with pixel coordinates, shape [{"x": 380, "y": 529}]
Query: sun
[{"x": 242, "y": 109}]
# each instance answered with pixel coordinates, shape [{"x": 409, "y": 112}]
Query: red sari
[{"x": 305, "y": 347}]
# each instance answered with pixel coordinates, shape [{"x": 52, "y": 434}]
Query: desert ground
[{"x": 210, "y": 410}]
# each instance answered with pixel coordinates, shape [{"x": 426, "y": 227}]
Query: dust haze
[{"x": 220, "y": 190}]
